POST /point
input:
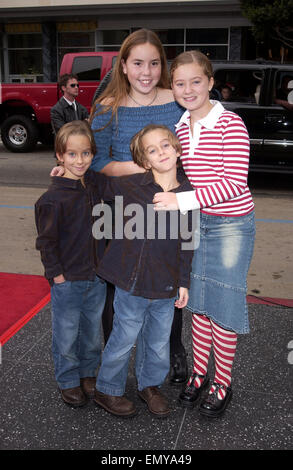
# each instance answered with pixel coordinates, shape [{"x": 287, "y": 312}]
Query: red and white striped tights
[{"x": 205, "y": 334}]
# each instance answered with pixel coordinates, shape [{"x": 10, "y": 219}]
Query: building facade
[{"x": 35, "y": 34}]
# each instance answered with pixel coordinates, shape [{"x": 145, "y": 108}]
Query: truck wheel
[{"x": 19, "y": 133}]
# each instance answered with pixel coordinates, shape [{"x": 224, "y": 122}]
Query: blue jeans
[
  {"x": 77, "y": 307},
  {"x": 149, "y": 321}
]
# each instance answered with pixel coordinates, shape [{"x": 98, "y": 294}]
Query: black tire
[{"x": 19, "y": 134}]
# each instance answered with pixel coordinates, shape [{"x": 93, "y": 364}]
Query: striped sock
[
  {"x": 201, "y": 346},
  {"x": 224, "y": 342}
]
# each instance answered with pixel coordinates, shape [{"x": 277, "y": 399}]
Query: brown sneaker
[
  {"x": 118, "y": 406},
  {"x": 73, "y": 396},
  {"x": 88, "y": 385},
  {"x": 156, "y": 401}
]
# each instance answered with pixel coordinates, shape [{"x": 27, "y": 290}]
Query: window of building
[
  {"x": 75, "y": 37},
  {"x": 23, "y": 59},
  {"x": 25, "y": 66},
  {"x": 213, "y": 42},
  {"x": 207, "y": 36},
  {"x": 25, "y": 41},
  {"x": 110, "y": 40},
  {"x": 172, "y": 40},
  {"x": 213, "y": 52}
]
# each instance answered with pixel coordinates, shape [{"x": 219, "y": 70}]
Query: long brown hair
[{"x": 119, "y": 87}]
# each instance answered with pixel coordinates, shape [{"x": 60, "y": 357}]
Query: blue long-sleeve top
[{"x": 118, "y": 134}]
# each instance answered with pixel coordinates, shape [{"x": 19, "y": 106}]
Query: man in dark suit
[{"x": 67, "y": 109}]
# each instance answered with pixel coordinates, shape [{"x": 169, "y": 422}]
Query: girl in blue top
[{"x": 138, "y": 94}]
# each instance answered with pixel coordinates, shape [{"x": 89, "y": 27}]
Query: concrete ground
[{"x": 259, "y": 417}]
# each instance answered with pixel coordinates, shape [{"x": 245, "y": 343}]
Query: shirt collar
[
  {"x": 62, "y": 181},
  {"x": 209, "y": 121},
  {"x": 70, "y": 102},
  {"x": 148, "y": 178}
]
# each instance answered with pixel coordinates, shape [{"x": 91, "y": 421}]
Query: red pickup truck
[{"x": 25, "y": 108}]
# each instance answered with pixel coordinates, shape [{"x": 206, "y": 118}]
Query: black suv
[{"x": 258, "y": 92}]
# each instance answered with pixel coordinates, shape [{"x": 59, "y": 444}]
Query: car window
[
  {"x": 239, "y": 85},
  {"x": 87, "y": 68},
  {"x": 283, "y": 85}
]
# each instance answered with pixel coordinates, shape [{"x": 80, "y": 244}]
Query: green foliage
[{"x": 270, "y": 18}]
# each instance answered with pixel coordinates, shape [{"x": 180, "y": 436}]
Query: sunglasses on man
[{"x": 73, "y": 85}]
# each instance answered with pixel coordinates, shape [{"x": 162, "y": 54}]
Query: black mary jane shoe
[
  {"x": 212, "y": 406},
  {"x": 178, "y": 368},
  {"x": 190, "y": 396}
]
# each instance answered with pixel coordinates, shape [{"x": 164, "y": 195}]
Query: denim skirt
[{"x": 218, "y": 283}]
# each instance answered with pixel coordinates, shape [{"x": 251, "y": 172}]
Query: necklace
[{"x": 139, "y": 104}]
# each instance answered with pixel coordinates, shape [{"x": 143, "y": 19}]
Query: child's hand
[
  {"x": 183, "y": 298},
  {"x": 59, "y": 279},
  {"x": 165, "y": 202},
  {"x": 57, "y": 171}
]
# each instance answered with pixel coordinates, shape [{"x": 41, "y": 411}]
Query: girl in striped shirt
[{"x": 215, "y": 158}]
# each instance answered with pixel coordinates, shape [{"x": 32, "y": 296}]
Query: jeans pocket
[{"x": 61, "y": 285}]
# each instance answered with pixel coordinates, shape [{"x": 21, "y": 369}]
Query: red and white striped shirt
[{"x": 216, "y": 160}]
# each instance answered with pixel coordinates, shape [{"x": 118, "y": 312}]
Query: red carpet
[
  {"x": 270, "y": 301},
  {"x": 21, "y": 297}
]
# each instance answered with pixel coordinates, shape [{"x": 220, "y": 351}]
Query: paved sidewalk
[{"x": 259, "y": 417}]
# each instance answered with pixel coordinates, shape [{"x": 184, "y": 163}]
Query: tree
[{"x": 271, "y": 20}]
